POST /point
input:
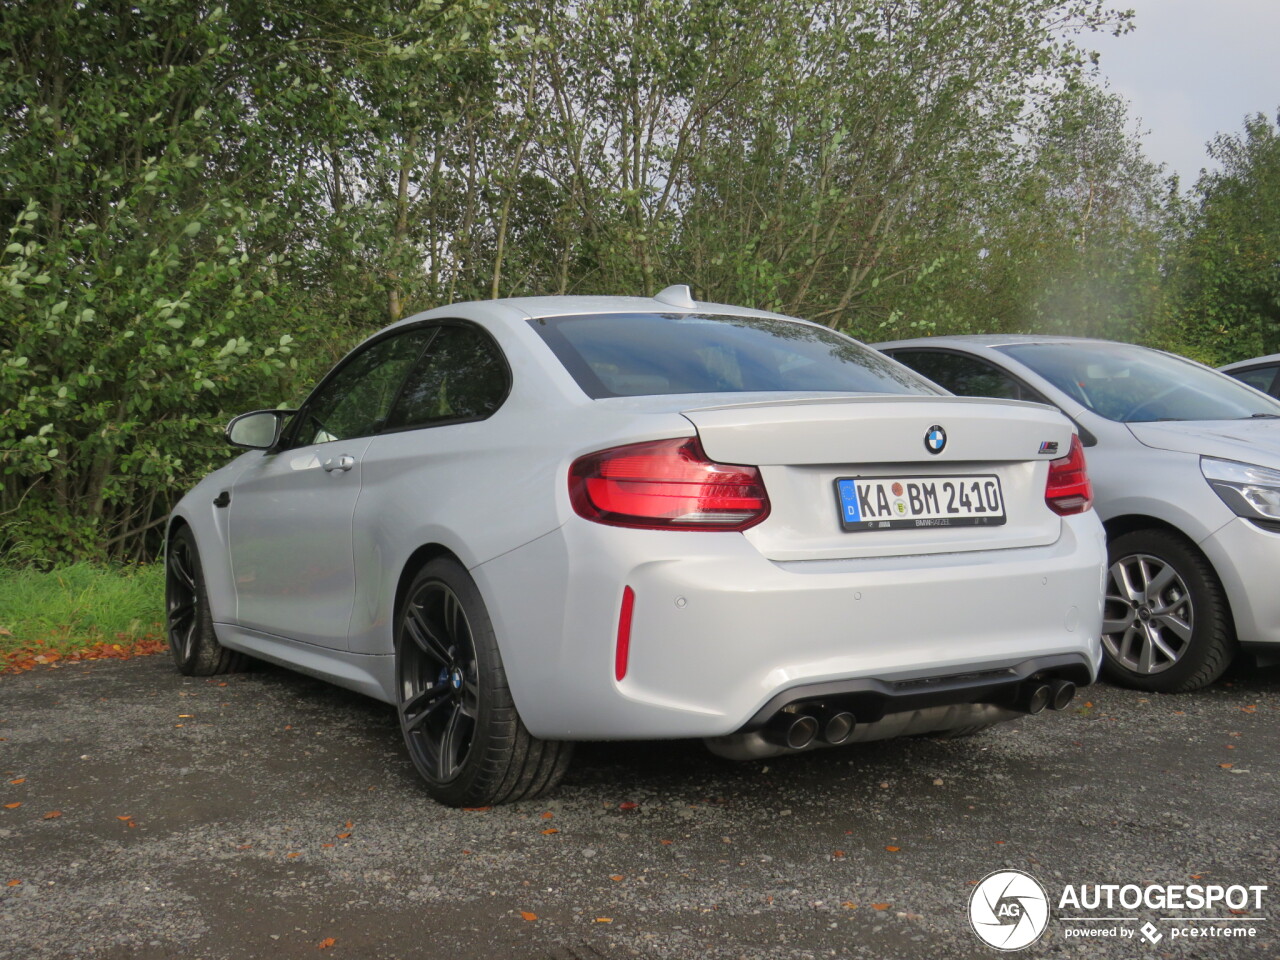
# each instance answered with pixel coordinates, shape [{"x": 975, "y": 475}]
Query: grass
[{"x": 79, "y": 610}]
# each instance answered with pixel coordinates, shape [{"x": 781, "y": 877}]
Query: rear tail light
[
  {"x": 666, "y": 485},
  {"x": 1068, "y": 490}
]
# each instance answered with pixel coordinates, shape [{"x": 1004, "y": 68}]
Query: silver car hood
[{"x": 1248, "y": 441}]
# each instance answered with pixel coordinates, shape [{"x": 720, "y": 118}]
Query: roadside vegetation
[
  {"x": 206, "y": 203},
  {"x": 79, "y": 611}
]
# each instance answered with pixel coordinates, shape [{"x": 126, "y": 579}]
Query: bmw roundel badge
[{"x": 935, "y": 439}]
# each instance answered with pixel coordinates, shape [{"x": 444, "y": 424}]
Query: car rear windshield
[
  {"x": 642, "y": 354},
  {"x": 1132, "y": 384}
]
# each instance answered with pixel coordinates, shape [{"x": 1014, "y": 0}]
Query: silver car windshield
[
  {"x": 1131, "y": 384},
  {"x": 642, "y": 354}
]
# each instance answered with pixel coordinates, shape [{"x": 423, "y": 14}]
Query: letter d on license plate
[{"x": 880, "y": 503}]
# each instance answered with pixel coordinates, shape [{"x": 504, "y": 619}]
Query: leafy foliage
[
  {"x": 1228, "y": 275},
  {"x": 206, "y": 203}
]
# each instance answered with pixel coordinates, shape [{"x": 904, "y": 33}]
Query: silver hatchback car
[
  {"x": 1185, "y": 463},
  {"x": 530, "y": 522}
]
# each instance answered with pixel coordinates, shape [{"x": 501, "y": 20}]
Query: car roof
[
  {"x": 1256, "y": 361},
  {"x": 986, "y": 340}
]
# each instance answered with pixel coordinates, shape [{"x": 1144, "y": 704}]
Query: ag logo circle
[{"x": 1009, "y": 910}]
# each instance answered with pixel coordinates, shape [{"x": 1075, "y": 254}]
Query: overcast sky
[{"x": 1193, "y": 69}]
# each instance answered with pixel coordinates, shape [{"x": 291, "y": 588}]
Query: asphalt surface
[{"x": 264, "y": 814}]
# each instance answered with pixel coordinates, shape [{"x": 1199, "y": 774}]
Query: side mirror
[{"x": 259, "y": 430}]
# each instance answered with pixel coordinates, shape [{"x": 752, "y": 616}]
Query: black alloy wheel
[
  {"x": 458, "y": 717},
  {"x": 188, "y": 619}
]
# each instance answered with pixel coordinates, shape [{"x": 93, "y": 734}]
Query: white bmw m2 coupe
[{"x": 534, "y": 521}]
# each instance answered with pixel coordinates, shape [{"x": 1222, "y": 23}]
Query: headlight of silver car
[{"x": 1251, "y": 491}]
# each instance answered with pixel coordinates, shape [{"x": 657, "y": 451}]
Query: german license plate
[{"x": 885, "y": 503}]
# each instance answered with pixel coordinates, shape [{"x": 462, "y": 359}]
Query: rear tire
[
  {"x": 459, "y": 721},
  {"x": 1166, "y": 624},
  {"x": 188, "y": 619}
]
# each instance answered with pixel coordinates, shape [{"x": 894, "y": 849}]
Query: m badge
[{"x": 1049, "y": 446}]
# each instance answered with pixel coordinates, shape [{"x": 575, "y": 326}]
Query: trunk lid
[{"x": 803, "y": 447}]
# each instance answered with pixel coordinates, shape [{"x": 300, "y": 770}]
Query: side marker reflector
[{"x": 623, "y": 649}]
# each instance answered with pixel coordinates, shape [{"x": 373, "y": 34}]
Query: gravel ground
[{"x": 264, "y": 814}]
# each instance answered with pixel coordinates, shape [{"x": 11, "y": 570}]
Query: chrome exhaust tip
[
  {"x": 1061, "y": 693},
  {"x": 1033, "y": 697},
  {"x": 792, "y": 730},
  {"x": 838, "y": 728}
]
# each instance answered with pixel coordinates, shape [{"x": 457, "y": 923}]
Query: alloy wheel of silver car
[
  {"x": 1149, "y": 619},
  {"x": 1166, "y": 624}
]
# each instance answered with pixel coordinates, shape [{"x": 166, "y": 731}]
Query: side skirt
[{"x": 374, "y": 676}]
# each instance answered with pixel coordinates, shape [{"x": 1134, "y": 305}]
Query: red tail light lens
[
  {"x": 666, "y": 485},
  {"x": 1068, "y": 490}
]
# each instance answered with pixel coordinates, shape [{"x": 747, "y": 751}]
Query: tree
[{"x": 1228, "y": 275}]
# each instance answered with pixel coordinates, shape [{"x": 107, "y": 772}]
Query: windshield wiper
[{"x": 1262, "y": 416}]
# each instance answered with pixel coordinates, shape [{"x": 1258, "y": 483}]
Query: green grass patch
[{"x": 79, "y": 606}]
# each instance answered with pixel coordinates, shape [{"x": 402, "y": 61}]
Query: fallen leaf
[
  {"x": 528, "y": 916},
  {"x": 294, "y": 854},
  {"x": 1001, "y": 841},
  {"x": 13, "y": 806},
  {"x": 549, "y": 831},
  {"x": 19, "y": 780},
  {"x": 616, "y": 877},
  {"x": 893, "y": 849},
  {"x": 53, "y": 815},
  {"x": 1251, "y": 708},
  {"x": 1196, "y": 876},
  {"x": 837, "y": 853},
  {"x": 126, "y": 817},
  {"x": 343, "y": 836},
  {"x": 879, "y": 906},
  {"x": 628, "y": 805},
  {"x": 244, "y": 846},
  {"x": 1226, "y": 766},
  {"x": 326, "y": 943},
  {"x": 350, "y": 824},
  {"x": 13, "y": 883},
  {"x": 326, "y": 844},
  {"x": 476, "y": 809},
  {"x": 610, "y": 919},
  {"x": 548, "y": 815},
  {"x": 849, "y": 905},
  {"x": 666, "y": 843},
  {"x": 186, "y": 716}
]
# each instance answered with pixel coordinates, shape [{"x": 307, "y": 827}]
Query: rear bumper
[
  {"x": 1246, "y": 558},
  {"x": 719, "y": 632}
]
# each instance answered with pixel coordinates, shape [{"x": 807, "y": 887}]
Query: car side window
[
  {"x": 462, "y": 376},
  {"x": 1261, "y": 378},
  {"x": 966, "y": 376},
  {"x": 354, "y": 402}
]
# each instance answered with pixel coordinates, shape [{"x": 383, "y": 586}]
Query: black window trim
[
  {"x": 1272, "y": 389},
  {"x": 435, "y": 324}
]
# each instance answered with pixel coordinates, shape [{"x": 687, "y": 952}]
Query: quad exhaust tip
[
  {"x": 838, "y": 728},
  {"x": 1061, "y": 693},
  {"x": 1035, "y": 695},
  {"x": 793, "y": 730}
]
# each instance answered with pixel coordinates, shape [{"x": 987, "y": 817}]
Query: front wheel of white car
[
  {"x": 456, "y": 711},
  {"x": 1166, "y": 625}
]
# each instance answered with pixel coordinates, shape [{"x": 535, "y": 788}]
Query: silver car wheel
[{"x": 1148, "y": 620}]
